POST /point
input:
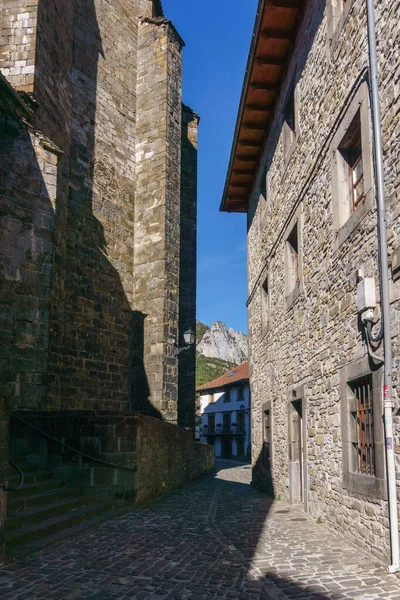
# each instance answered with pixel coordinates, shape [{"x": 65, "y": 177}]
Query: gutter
[
  {"x": 250, "y": 60},
  {"x": 385, "y": 297}
]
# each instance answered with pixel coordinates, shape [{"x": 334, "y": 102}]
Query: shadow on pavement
[{"x": 242, "y": 527}]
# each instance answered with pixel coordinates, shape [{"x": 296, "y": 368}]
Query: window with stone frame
[
  {"x": 337, "y": 11},
  {"x": 289, "y": 126},
  {"x": 263, "y": 199},
  {"x": 292, "y": 260},
  {"x": 350, "y": 151},
  {"x": 265, "y": 306},
  {"x": 352, "y": 166},
  {"x": 362, "y": 429},
  {"x": 267, "y": 433},
  {"x": 363, "y": 415}
]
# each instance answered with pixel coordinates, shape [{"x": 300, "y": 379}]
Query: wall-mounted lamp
[
  {"x": 190, "y": 337},
  {"x": 244, "y": 409}
]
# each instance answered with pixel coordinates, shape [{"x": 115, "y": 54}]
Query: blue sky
[{"x": 217, "y": 35}]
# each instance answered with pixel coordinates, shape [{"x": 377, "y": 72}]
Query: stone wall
[
  {"x": 168, "y": 458},
  {"x": 90, "y": 208},
  {"x": 158, "y": 457},
  {"x": 106, "y": 90},
  {"x": 157, "y": 217},
  {"x": 316, "y": 333},
  {"x": 18, "y": 22}
]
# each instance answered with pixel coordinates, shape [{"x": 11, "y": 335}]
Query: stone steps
[
  {"x": 70, "y": 532},
  {"x": 22, "y": 502},
  {"x": 52, "y": 525},
  {"x": 37, "y": 487},
  {"x": 45, "y": 511},
  {"x": 31, "y": 515},
  {"x": 29, "y": 477}
]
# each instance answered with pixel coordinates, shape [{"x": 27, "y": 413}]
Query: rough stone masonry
[
  {"x": 97, "y": 165},
  {"x": 305, "y": 124},
  {"x": 305, "y": 357}
]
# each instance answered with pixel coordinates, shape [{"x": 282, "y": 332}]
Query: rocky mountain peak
[{"x": 226, "y": 344}]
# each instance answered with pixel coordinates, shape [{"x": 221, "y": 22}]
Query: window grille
[{"x": 364, "y": 416}]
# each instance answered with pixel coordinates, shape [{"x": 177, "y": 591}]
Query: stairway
[{"x": 45, "y": 511}]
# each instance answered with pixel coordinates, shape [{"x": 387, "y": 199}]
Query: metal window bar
[
  {"x": 365, "y": 426},
  {"x": 357, "y": 181}
]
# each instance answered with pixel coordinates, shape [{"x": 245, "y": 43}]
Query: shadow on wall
[
  {"x": 26, "y": 253},
  {"x": 96, "y": 341},
  {"x": 187, "y": 268}
]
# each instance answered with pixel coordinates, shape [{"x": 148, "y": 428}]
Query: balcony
[{"x": 224, "y": 431}]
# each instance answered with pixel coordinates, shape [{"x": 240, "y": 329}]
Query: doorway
[
  {"x": 226, "y": 448},
  {"x": 296, "y": 453}
]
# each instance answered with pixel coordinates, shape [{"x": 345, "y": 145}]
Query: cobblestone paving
[{"x": 217, "y": 538}]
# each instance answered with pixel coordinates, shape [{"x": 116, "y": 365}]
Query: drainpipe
[{"x": 385, "y": 300}]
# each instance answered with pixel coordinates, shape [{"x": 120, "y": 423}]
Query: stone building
[
  {"x": 98, "y": 171},
  {"x": 302, "y": 169},
  {"x": 225, "y": 413}
]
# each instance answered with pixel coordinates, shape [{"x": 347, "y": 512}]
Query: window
[
  {"x": 263, "y": 198},
  {"x": 363, "y": 415},
  {"x": 362, "y": 429},
  {"x": 351, "y": 152},
  {"x": 227, "y": 396},
  {"x": 211, "y": 424},
  {"x": 337, "y": 11},
  {"x": 352, "y": 169},
  {"x": 240, "y": 394},
  {"x": 265, "y": 306},
  {"x": 290, "y": 127},
  {"x": 240, "y": 421},
  {"x": 289, "y": 118},
  {"x": 226, "y": 422},
  {"x": 292, "y": 255},
  {"x": 267, "y": 427}
]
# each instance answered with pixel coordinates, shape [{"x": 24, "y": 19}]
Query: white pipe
[{"x": 385, "y": 301}]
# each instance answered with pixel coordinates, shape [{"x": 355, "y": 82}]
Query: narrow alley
[{"x": 217, "y": 538}]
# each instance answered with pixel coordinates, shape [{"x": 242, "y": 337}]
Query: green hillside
[
  {"x": 208, "y": 369},
  {"x": 200, "y": 330}
]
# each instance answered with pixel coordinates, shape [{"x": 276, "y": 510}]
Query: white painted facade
[{"x": 225, "y": 420}]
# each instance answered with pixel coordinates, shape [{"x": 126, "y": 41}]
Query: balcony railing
[{"x": 224, "y": 430}]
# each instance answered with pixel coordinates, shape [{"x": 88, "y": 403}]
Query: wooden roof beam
[
  {"x": 253, "y": 126},
  {"x": 243, "y": 171},
  {"x": 275, "y": 34},
  {"x": 292, "y": 4},
  {"x": 267, "y": 108},
  {"x": 249, "y": 143},
  {"x": 262, "y": 85},
  {"x": 244, "y": 158},
  {"x": 271, "y": 60}
]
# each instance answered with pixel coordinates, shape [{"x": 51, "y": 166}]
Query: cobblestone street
[{"x": 217, "y": 538}]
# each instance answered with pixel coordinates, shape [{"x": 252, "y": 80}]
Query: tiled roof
[{"x": 239, "y": 373}]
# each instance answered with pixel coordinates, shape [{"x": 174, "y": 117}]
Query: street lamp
[{"x": 189, "y": 336}]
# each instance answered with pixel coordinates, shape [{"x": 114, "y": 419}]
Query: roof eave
[{"x": 245, "y": 86}]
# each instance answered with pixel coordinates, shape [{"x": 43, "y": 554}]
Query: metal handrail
[
  {"x": 15, "y": 488},
  {"x": 97, "y": 460}
]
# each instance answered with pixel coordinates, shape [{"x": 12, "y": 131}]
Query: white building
[{"x": 225, "y": 413}]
